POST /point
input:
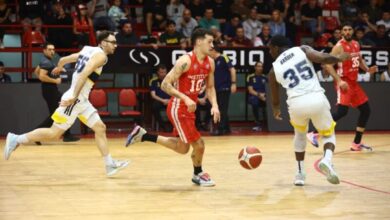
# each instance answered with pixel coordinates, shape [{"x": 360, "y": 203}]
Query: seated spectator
[
  {"x": 175, "y": 10},
  {"x": 61, "y": 37},
  {"x": 230, "y": 28},
  {"x": 239, "y": 7},
  {"x": 218, "y": 38},
  {"x": 116, "y": 13},
  {"x": 277, "y": 25},
  {"x": 385, "y": 20},
  {"x": 30, "y": 14},
  {"x": 363, "y": 22},
  {"x": 363, "y": 41},
  {"x": 4, "y": 78},
  {"x": 349, "y": 11},
  {"x": 336, "y": 36},
  {"x": 5, "y": 11},
  {"x": 82, "y": 25},
  {"x": 155, "y": 15},
  {"x": 197, "y": 9},
  {"x": 98, "y": 11},
  {"x": 171, "y": 37},
  {"x": 312, "y": 17},
  {"x": 264, "y": 10},
  {"x": 160, "y": 99},
  {"x": 186, "y": 24},
  {"x": 264, "y": 37},
  {"x": 221, "y": 10},
  {"x": 126, "y": 36},
  {"x": 385, "y": 76},
  {"x": 364, "y": 77},
  {"x": 374, "y": 10},
  {"x": 208, "y": 20},
  {"x": 380, "y": 38},
  {"x": 252, "y": 26},
  {"x": 256, "y": 83},
  {"x": 240, "y": 40}
]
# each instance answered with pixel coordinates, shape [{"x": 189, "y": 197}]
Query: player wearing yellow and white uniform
[{"x": 74, "y": 103}]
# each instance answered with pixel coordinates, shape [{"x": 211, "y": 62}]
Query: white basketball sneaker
[
  {"x": 327, "y": 168},
  {"x": 118, "y": 165},
  {"x": 135, "y": 135},
  {"x": 203, "y": 179},
  {"x": 11, "y": 144},
  {"x": 300, "y": 179}
]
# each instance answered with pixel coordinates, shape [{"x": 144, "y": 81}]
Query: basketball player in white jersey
[
  {"x": 293, "y": 69},
  {"x": 74, "y": 103}
]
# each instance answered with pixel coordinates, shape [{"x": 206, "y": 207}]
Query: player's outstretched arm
[
  {"x": 274, "y": 86},
  {"x": 211, "y": 94},
  {"x": 63, "y": 61},
  {"x": 336, "y": 50},
  {"x": 324, "y": 58}
]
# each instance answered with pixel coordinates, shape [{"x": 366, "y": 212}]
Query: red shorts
[
  {"x": 353, "y": 97},
  {"x": 183, "y": 122}
]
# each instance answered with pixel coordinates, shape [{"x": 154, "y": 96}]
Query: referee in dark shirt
[
  {"x": 225, "y": 83},
  {"x": 50, "y": 91}
]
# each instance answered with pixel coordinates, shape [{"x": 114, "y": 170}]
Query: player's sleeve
[
  {"x": 153, "y": 84},
  {"x": 249, "y": 80},
  {"x": 45, "y": 64}
]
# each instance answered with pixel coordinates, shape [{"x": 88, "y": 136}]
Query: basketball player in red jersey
[
  {"x": 349, "y": 92},
  {"x": 183, "y": 83}
]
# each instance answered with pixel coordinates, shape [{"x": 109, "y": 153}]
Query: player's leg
[
  {"x": 200, "y": 178},
  {"x": 364, "y": 115}
]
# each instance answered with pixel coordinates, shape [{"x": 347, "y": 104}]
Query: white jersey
[
  {"x": 85, "y": 54},
  {"x": 295, "y": 72}
]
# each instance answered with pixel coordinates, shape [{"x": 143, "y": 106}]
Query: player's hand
[
  {"x": 343, "y": 85},
  {"x": 344, "y": 56},
  {"x": 191, "y": 105},
  {"x": 165, "y": 101},
  {"x": 67, "y": 102},
  {"x": 373, "y": 69},
  {"x": 58, "y": 70},
  {"x": 216, "y": 115},
  {"x": 202, "y": 101},
  {"x": 233, "y": 88},
  {"x": 58, "y": 81},
  {"x": 277, "y": 114}
]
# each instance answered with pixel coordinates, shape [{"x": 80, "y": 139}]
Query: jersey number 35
[{"x": 304, "y": 72}]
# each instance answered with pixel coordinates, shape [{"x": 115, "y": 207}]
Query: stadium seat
[
  {"x": 33, "y": 38},
  {"x": 128, "y": 98},
  {"x": 98, "y": 99},
  {"x": 323, "y": 40}
]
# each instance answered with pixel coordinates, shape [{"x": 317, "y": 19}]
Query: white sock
[
  {"x": 328, "y": 154},
  {"x": 301, "y": 167},
  {"x": 108, "y": 160},
  {"x": 22, "y": 139}
]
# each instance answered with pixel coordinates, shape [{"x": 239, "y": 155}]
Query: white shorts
[
  {"x": 64, "y": 117},
  {"x": 314, "y": 107}
]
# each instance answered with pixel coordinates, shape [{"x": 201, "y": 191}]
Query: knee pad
[
  {"x": 329, "y": 139},
  {"x": 364, "y": 115},
  {"x": 299, "y": 141}
]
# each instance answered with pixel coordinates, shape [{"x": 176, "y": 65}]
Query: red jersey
[{"x": 349, "y": 69}]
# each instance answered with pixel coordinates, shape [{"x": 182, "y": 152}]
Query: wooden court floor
[{"x": 67, "y": 181}]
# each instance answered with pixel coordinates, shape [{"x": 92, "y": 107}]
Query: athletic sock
[
  {"x": 22, "y": 139},
  {"x": 301, "y": 167},
  {"x": 328, "y": 154},
  {"x": 108, "y": 160},
  {"x": 197, "y": 170},
  {"x": 149, "y": 137},
  {"x": 358, "y": 137}
]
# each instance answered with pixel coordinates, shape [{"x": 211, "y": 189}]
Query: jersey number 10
[{"x": 304, "y": 72}]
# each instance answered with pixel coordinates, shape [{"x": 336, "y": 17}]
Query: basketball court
[{"x": 67, "y": 181}]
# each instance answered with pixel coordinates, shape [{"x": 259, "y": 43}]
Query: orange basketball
[{"x": 250, "y": 157}]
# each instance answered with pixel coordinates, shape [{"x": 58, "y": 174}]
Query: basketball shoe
[
  {"x": 135, "y": 135},
  {"x": 11, "y": 144},
  {"x": 360, "y": 147},
  {"x": 203, "y": 179},
  {"x": 313, "y": 138},
  {"x": 114, "y": 168},
  {"x": 326, "y": 168},
  {"x": 300, "y": 179}
]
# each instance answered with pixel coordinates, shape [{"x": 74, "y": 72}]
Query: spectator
[
  {"x": 126, "y": 36},
  {"x": 349, "y": 11},
  {"x": 277, "y": 25},
  {"x": 335, "y": 37},
  {"x": 363, "y": 21},
  {"x": 171, "y": 37},
  {"x": 264, "y": 37},
  {"x": 218, "y": 37},
  {"x": 225, "y": 83},
  {"x": 160, "y": 99},
  {"x": 197, "y": 9},
  {"x": 61, "y": 37},
  {"x": 264, "y": 9},
  {"x": 252, "y": 26},
  {"x": 155, "y": 13},
  {"x": 379, "y": 37},
  {"x": 186, "y": 24},
  {"x": 97, "y": 10},
  {"x": 175, "y": 10},
  {"x": 208, "y": 20},
  {"x": 116, "y": 13},
  {"x": 82, "y": 25},
  {"x": 221, "y": 11},
  {"x": 30, "y": 13},
  {"x": 289, "y": 18},
  {"x": 363, "y": 41},
  {"x": 240, "y": 40},
  {"x": 312, "y": 17},
  {"x": 4, "y": 78},
  {"x": 239, "y": 7},
  {"x": 230, "y": 28},
  {"x": 256, "y": 83},
  {"x": 373, "y": 10},
  {"x": 5, "y": 11},
  {"x": 385, "y": 20},
  {"x": 385, "y": 76}
]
